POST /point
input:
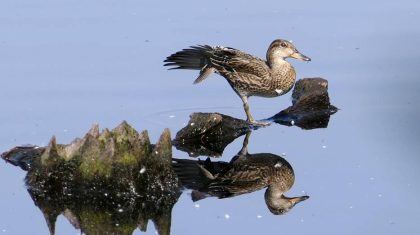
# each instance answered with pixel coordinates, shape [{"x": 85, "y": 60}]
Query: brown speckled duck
[{"x": 248, "y": 75}]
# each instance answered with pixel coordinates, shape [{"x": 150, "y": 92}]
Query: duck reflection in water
[{"x": 245, "y": 173}]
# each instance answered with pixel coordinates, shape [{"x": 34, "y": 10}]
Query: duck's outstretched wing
[
  {"x": 240, "y": 179},
  {"x": 228, "y": 62},
  {"x": 195, "y": 58}
]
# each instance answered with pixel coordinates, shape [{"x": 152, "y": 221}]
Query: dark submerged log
[{"x": 311, "y": 106}]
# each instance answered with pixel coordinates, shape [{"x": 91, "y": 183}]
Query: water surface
[{"x": 66, "y": 65}]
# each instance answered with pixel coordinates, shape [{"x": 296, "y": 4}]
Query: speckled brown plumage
[{"x": 248, "y": 75}]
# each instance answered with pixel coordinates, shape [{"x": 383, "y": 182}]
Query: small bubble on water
[
  {"x": 227, "y": 216},
  {"x": 171, "y": 116},
  {"x": 197, "y": 205},
  {"x": 259, "y": 216}
]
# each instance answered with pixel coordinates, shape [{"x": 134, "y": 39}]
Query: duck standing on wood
[{"x": 248, "y": 75}]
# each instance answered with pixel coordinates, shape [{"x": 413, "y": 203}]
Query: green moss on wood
[{"x": 94, "y": 169}]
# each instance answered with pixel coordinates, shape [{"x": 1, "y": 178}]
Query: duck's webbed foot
[
  {"x": 259, "y": 123},
  {"x": 249, "y": 117}
]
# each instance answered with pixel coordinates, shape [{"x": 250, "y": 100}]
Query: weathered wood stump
[{"x": 106, "y": 183}]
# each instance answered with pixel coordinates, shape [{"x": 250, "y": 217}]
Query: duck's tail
[
  {"x": 195, "y": 58},
  {"x": 197, "y": 175},
  {"x": 189, "y": 173},
  {"x": 190, "y": 176}
]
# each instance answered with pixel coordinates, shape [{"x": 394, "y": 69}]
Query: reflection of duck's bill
[{"x": 296, "y": 200}]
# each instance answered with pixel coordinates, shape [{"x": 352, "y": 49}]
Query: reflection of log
[
  {"x": 209, "y": 133},
  {"x": 106, "y": 183},
  {"x": 311, "y": 105}
]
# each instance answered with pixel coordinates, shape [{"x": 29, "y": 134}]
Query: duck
[
  {"x": 247, "y": 74},
  {"x": 245, "y": 173}
]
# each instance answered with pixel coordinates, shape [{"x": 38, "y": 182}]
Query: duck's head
[
  {"x": 283, "y": 49},
  {"x": 280, "y": 204}
]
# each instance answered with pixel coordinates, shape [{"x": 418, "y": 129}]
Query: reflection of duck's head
[{"x": 279, "y": 204}]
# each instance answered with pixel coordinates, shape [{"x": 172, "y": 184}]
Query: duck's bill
[{"x": 299, "y": 56}]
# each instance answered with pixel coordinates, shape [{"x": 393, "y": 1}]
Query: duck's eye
[{"x": 283, "y": 44}]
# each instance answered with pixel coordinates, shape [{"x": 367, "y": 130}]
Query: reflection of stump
[
  {"x": 209, "y": 133},
  {"x": 106, "y": 183}
]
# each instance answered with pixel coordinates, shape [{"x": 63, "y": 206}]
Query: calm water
[{"x": 66, "y": 65}]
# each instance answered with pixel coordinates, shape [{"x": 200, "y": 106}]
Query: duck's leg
[
  {"x": 243, "y": 153},
  {"x": 244, "y": 149},
  {"x": 249, "y": 117}
]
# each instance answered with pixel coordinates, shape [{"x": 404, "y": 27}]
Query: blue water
[{"x": 67, "y": 64}]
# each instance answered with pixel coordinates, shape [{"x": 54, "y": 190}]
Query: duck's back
[{"x": 247, "y": 74}]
